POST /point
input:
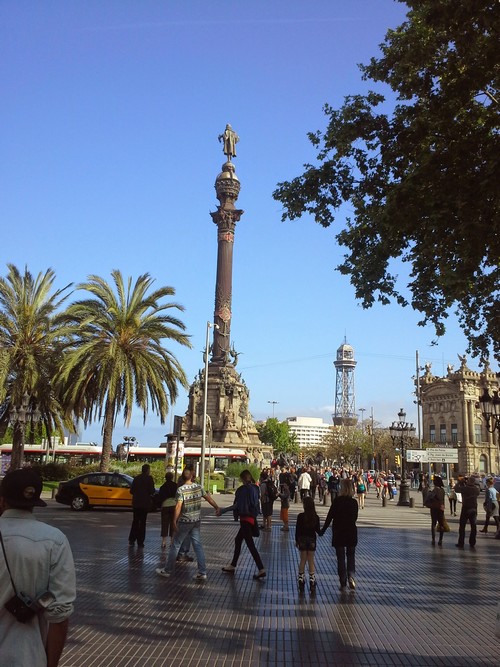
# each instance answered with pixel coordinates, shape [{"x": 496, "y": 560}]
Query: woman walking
[
  {"x": 343, "y": 515},
  {"x": 246, "y": 508},
  {"x": 361, "y": 491},
  {"x": 166, "y": 498},
  {"x": 305, "y": 540},
  {"x": 452, "y": 498},
  {"x": 490, "y": 506}
]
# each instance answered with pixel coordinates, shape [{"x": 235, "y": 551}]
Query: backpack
[{"x": 272, "y": 491}]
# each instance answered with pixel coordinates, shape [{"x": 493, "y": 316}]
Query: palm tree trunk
[{"x": 107, "y": 437}]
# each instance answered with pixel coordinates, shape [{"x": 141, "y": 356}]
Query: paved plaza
[{"x": 414, "y": 604}]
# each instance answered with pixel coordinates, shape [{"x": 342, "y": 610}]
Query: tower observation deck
[{"x": 345, "y": 396}]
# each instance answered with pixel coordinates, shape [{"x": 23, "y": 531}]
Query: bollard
[
  {"x": 384, "y": 501},
  {"x": 214, "y": 489},
  {"x": 54, "y": 491},
  {"x": 296, "y": 499},
  {"x": 412, "y": 502}
]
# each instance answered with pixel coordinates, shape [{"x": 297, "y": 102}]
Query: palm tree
[
  {"x": 32, "y": 340},
  {"x": 117, "y": 358}
]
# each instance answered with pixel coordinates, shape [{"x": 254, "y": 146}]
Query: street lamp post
[
  {"x": 205, "y": 399},
  {"x": 373, "y": 439},
  {"x": 273, "y": 403},
  {"x": 130, "y": 441},
  {"x": 490, "y": 409},
  {"x": 402, "y": 431},
  {"x": 362, "y": 410},
  {"x": 19, "y": 417}
]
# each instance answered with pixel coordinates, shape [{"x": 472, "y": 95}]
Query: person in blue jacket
[{"x": 246, "y": 508}]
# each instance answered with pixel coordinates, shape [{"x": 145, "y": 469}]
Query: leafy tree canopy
[
  {"x": 347, "y": 446},
  {"x": 278, "y": 435},
  {"x": 422, "y": 179}
]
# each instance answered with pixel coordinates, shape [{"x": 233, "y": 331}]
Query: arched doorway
[{"x": 483, "y": 464}]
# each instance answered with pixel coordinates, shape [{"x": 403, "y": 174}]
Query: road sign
[
  {"x": 442, "y": 455},
  {"x": 417, "y": 455}
]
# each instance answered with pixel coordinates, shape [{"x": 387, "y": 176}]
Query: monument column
[
  {"x": 218, "y": 407},
  {"x": 227, "y": 187}
]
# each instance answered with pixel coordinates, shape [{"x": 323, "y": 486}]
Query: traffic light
[{"x": 398, "y": 460}]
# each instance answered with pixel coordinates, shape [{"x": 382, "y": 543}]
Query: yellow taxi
[{"x": 108, "y": 489}]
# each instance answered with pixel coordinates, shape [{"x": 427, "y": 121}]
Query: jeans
[
  {"x": 350, "y": 571},
  {"x": 185, "y": 530},
  {"x": 245, "y": 533},
  {"x": 467, "y": 515}
]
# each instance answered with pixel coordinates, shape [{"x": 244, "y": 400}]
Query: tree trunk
[
  {"x": 107, "y": 437},
  {"x": 17, "y": 457}
]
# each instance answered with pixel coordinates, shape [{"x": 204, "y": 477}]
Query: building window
[
  {"x": 442, "y": 433},
  {"x": 454, "y": 433},
  {"x": 477, "y": 432},
  {"x": 432, "y": 433}
]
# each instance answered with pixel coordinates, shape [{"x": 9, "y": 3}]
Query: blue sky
[{"x": 110, "y": 116}]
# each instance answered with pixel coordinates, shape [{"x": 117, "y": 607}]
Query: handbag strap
[{"x": 7, "y": 563}]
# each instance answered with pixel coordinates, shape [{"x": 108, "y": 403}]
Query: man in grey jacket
[{"x": 37, "y": 570}]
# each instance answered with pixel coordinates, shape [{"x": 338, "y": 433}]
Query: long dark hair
[{"x": 310, "y": 515}]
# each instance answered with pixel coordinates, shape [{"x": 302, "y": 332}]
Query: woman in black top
[
  {"x": 166, "y": 499},
  {"x": 305, "y": 538},
  {"x": 343, "y": 515}
]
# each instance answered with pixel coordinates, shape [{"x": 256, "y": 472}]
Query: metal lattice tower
[{"x": 345, "y": 397}]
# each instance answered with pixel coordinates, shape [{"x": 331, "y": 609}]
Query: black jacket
[
  {"x": 142, "y": 490},
  {"x": 167, "y": 490},
  {"x": 343, "y": 515}
]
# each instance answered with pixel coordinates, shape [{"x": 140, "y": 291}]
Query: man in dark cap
[{"x": 37, "y": 573}]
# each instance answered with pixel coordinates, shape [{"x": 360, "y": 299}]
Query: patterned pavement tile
[{"x": 414, "y": 604}]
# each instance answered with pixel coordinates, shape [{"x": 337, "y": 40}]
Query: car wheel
[{"x": 79, "y": 503}]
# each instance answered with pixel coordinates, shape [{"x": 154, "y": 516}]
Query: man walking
[
  {"x": 187, "y": 524},
  {"x": 37, "y": 577},
  {"x": 470, "y": 493},
  {"x": 142, "y": 490}
]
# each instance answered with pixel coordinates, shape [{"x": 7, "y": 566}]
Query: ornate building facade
[{"x": 451, "y": 416}]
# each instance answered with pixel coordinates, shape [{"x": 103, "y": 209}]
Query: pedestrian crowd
[{"x": 37, "y": 574}]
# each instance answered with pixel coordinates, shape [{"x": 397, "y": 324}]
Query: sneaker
[
  {"x": 162, "y": 572},
  {"x": 352, "y": 583},
  {"x": 200, "y": 577},
  {"x": 460, "y": 546},
  {"x": 312, "y": 581},
  {"x": 343, "y": 584},
  {"x": 184, "y": 558},
  {"x": 228, "y": 568},
  {"x": 301, "y": 580}
]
